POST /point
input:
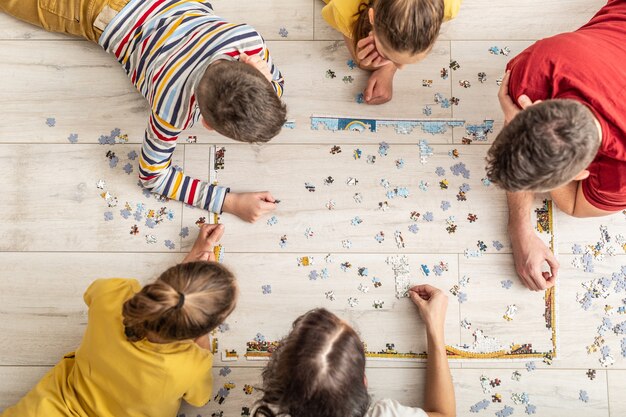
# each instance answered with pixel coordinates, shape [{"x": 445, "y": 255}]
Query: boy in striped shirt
[{"x": 190, "y": 65}]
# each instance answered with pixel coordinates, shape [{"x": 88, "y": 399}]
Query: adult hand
[
  {"x": 530, "y": 253},
  {"x": 509, "y": 108},
  {"x": 202, "y": 250},
  {"x": 249, "y": 206},
  {"x": 257, "y": 63},
  {"x": 368, "y": 56},
  {"x": 432, "y": 304},
  {"x": 379, "y": 88}
]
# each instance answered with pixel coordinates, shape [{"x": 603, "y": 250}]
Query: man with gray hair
[{"x": 568, "y": 138}]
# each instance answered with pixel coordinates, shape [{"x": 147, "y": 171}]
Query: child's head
[
  {"x": 404, "y": 30},
  {"x": 237, "y": 101},
  {"x": 544, "y": 147},
  {"x": 318, "y": 370},
  {"x": 187, "y": 301}
]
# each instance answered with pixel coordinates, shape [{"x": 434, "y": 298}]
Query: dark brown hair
[
  {"x": 237, "y": 101},
  {"x": 403, "y": 25},
  {"x": 318, "y": 370},
  {"x": 543, "y": 147},
  {"x": 187, "y": 301}
]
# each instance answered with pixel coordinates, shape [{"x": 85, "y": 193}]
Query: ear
[
  {"x": 370, "y": 14},
  {"x": 582, "y": 175},
  {"x": 205, "y": 124}
]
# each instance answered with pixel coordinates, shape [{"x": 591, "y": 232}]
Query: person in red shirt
[{"x": 568, "y": 135}]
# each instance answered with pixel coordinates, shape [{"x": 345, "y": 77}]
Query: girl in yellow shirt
[
  {"x": 385, "y": 35},
  {"x": 144, "y": 349}
]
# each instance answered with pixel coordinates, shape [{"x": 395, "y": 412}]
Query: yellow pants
[{"x": 84, "y": 18}]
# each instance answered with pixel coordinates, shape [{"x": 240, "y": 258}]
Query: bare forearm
[
  {"x": 520, "y": 204},
  {"x": 439, "y": 398}
]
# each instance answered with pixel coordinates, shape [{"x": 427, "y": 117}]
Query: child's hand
[
  {"x": 432, "y": 304},
  {"x": 367, "y": 55},
  {"x": 202, "y": 250},
  {"x": 257, "y": 63},
  {"x": 249, "y": 206},
  {"x": 379, "y": 88}
]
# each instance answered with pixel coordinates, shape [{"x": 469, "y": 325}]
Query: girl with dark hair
[
  {"x": 318, "y": 370},
  {"x": 144, "y": 349},
  {"x": 385, "y": 35}
]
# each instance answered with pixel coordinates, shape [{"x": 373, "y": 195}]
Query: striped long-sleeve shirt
[{"x": 165, "y": 47}]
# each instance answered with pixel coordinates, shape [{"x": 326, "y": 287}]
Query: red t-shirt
[{"x": 589, "y": 66}]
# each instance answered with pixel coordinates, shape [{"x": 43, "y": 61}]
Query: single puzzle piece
[
  {"x": 170, "y": 245},
  {"x": 479, "y": 406},
  {"x": 505, "y": 412},
  {"x": 330, "y": 295},
  {"x": 445, "y": 205},
  {"x": 506, "y": 284},
  {"x": 108, "y": 216},
  {"x": 413, "y": 228},
  {"x": 583, "y": 396},
  {"x": 283, "y": 32},
  {"x": 125, "y": 213},
  {"x": 267, "y": 289},
  {"x": 184, "y": 232},
  {"x": 73, "y": 138},
  {"x": 128, "y": 168},
  {"x": 356, "y": 221},
  {"x": 380, "y": 237},
  {"x": 51, "y": 121},
  {"x": 531, "y": 366},
  {"x": 530, "y": 409},
  {"x": 400, "y": 163},
  {"x": 520, "y": 399},
  {"x": 353, "y": 302},
  {"x": 225, "y": 371}
]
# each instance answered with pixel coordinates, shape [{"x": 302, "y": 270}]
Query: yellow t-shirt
[
  {"x": 340, "y": 14},
  {"x": 108, "y": 376}
]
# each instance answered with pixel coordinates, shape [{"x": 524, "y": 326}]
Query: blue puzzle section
[
  {"x": 401, "y": 126},
  {"x": 479, "y": 132}
]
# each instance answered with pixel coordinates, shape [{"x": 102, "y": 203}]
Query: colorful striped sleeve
[
  {"x": 157, "y": 174},
  {"x": 278, "y": 81}
]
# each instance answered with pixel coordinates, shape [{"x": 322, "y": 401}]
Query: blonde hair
[{"x": 185, "y": 302}]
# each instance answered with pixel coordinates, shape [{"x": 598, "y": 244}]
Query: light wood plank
[
  {"x": 41, "y": 298},
  {"x": 52, "y": 202},
  {"x": 66, "y": 78},
  {"x": 284, "y": 170},
  {"x": 488, "y": 300},
  {"x": 480, "y": 100},
  {"x": 514, "y": 20},
  {"x": 76, "y": 83},
  {"x": 617, "y": 393},
  {"x": 269, "y": 17},
  {"x": 293, "y": 293},
  {"x": 577, "y": 328}
]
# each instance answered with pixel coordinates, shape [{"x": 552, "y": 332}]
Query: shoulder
[
  {"x": 451, "y": 9},
  {"x": 392, "y": 408},
  {"x": 102, "y": 287},
  {"x": 340, "y": 14}
]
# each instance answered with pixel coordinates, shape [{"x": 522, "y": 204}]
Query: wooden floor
[{"x": 55, "y": 239}]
